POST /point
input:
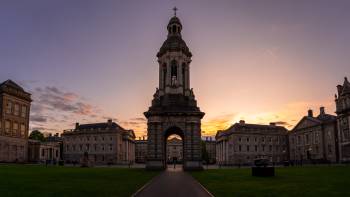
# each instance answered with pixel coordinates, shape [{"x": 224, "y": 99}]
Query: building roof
[
  {"x": 102, "y": 125},
  {"x": 251, "y": 128},
  {"x": 315, "y": 121},
  {"x": 10, "y": 83},
  {"x": 14, "y": 89}
]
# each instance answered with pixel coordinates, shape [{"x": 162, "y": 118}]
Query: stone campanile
[
  {"x": 342, "y": 101},
  {"x": 174, "y": 108}
]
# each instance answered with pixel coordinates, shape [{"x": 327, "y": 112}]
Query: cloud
[{"x": 38, "y": 118}]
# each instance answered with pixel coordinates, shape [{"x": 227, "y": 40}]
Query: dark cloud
[
  {"x": 38, "y": 118},
  {"x": 138, "y": 119}
]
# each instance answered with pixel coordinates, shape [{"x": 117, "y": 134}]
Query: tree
[
  {"x": 205, "y": 154},
  {"x": 37, "y": 135}
]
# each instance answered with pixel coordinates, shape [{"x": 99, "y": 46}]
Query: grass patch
[
  {"x": 291, "y": 181},
  {"x": 27, "y": 180}
]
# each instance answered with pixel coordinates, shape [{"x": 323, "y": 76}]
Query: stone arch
[{"x": 172, "y": 130}]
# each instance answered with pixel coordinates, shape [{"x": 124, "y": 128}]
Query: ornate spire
[{"x": 175, "y": 9}]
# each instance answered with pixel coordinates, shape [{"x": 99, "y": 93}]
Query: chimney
[
  {"x": 241, "y": 122},
  {"x": 206, "y": 138},
  {"x": 211, "y": 139},
  {"x": 272, "y": 124},
  {"x": 310, "y": 113},
  {"x": 109, "y": 122},
  {"x": 76, "y": 125},
  {"x": 322, "y": 111},
  {"x": 143, "y": 137},
  {"x": 139, "y": 138},
  {"x": 56, "y": 135}
]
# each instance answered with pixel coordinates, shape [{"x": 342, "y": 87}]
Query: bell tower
[
  {"x": 174, "y": 108},
  {"x": 174, "y": 59}
]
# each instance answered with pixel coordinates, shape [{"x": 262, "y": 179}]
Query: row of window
[
  {"x": 16, "y": 109},
  {"x": 262, "y": 139},
  {"x": 257, "y": 148},
  {"x": 307, "y": 138},
  {"x": 87, "y": 147},
  {"x": 88, "y": 138},
  {"x": 13, "y": 128}
]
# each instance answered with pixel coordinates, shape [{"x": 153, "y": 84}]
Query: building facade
[
  {"x": 174, "y": 108},
  {"x": 210, "y": 147},
  {"x": 140, "y": 150},
  {"x": 342, "y": 101},
  {"x": 42, "y": 152},
  {"x": 99, "y": 144},
  {"x": 174, "y": 150},
  {"x": 314, "y": 139},
  {"x": 242, "y": 143},
  {"x": 14, "y": 122}
]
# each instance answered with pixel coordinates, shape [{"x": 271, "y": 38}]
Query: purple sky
[{"x": 256, "y": 60}]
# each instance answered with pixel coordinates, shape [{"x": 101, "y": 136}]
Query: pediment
[{"x": 306, "y": 122}]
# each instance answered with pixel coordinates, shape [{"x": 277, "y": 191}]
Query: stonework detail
[
  {"x": 174, "y": 107},
  {"x": 14, "y": 122}
]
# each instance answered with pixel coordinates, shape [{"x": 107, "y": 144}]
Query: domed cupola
[
  {"x": 174, "y": 41},
  {"x": 174, "y": 27}
]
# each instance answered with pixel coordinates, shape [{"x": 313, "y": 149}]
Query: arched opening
[
  {"x": 173, "y": 72},
  {"x": 174, "y": 148}
]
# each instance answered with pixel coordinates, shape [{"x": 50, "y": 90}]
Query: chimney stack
[
  {"x": 109, "y": 122},
  {"x": 241, "y": 122},
  {"x": 310, "y": 113},
  {"x": 322, "y": 111},
  {"x": 272, "y": 124},
  {"x": 206, "y": 138},
  {"x": 143, "y": 137},
  {"x": 76, "y": 125}
]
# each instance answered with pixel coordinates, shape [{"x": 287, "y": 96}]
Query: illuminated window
[
  {"x": 16, "y": 111},
  {"x": 24, "y": 111},
  {"x": 9, "y": 107},
  {"x": 23, "y": 129},
  {"x": 7, "y": 127},
  {"x": 15, "y": 128}
]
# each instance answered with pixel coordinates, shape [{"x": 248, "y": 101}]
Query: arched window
[
  {"x": 174, "y": 69},
  {"x": 174, "y": 29}
]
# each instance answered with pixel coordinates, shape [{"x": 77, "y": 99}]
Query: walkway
[{"x": 173, "y": 183}]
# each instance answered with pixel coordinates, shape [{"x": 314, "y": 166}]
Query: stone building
[
  {"x": 40, "y": 152},
  {"x": 242, "y": 143},
  {"x": 14, "y": 122},
  {"x": 342, "y": 101},
  {"x": 210, "y": 146},
  {"x": 174, "y": 149},
  {"x": 99, "y": 143},
  {"x": 140, "y": 150},
  {"x": 314, "y": 139},
  {"x": 174, "y": 108}
]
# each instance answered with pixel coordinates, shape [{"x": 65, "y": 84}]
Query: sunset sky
[{"x": 262, "y": 61}]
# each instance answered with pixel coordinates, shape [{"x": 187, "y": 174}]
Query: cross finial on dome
[{"x": 175, "y": 9}]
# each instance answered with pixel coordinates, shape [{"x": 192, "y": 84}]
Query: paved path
[{"x": 173, "y": 183}]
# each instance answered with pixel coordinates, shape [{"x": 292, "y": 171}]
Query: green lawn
[
  {"x": 26, "y": 180},
  {"x": 290, "y": 181}
]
